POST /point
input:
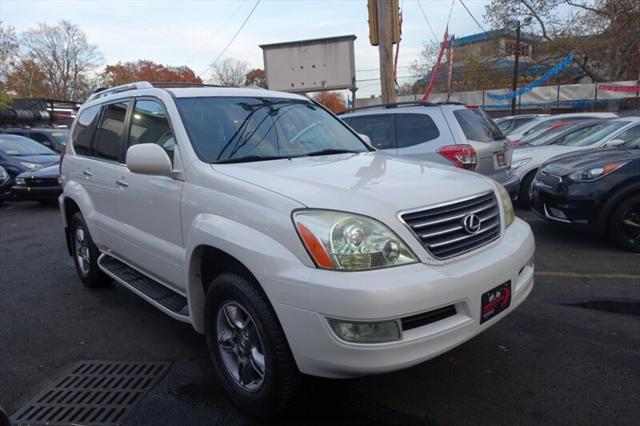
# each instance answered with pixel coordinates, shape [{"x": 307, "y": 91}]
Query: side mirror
[
  {"x": 148, "y": 159},
  {"x": 366, "y": 139},
  {"x": 614, "y": 142}
]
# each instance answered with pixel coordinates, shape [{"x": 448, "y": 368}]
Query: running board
[{"x": 163, "y": 298}]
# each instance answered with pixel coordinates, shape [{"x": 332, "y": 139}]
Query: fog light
[
  {"x": 557, "y": 213},
  {"x": 366, "y": 332}
]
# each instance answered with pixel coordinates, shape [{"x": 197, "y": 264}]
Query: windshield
[
  {"x": 17, "y": 146},
  {"x": 593, "y": 134},
  {"x": 477, "y": 126},
  {"x": 234, "y": 129},
  {"x": 554, "y": 135}
]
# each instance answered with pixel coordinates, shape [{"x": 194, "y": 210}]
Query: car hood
[
  {"x": 38, "y": 159},
  {"x": 46, "y": 171},
  {"x": 362, "y": 183},
  {"x": 567, "y": 164}
]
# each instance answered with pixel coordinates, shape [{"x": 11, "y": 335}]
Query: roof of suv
[
  {"x": 401, "y": 108},
  {"x": 187, "y": 90}
]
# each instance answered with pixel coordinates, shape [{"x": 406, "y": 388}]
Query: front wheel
[
  {"x": 624, "y": 224},
  {"x": 248, "y": 347},
  {"x": 524, "y": 197},
  {"x": 85, "y": 254}
]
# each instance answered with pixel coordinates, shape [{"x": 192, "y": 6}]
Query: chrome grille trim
[{"x": 440, "y": 229}]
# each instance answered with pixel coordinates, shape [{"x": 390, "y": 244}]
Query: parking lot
[{"x": 569, "y": 354}]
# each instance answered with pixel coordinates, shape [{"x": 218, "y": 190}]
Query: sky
[{"x": 194, "y": 33}]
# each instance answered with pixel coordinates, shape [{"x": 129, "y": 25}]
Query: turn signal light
[{"x": 463, "y": 156}]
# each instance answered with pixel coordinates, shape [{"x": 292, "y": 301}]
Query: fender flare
[{"x": 259, "y": 253}]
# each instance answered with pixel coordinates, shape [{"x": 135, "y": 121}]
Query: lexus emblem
[{"x": 471, "y": 223}]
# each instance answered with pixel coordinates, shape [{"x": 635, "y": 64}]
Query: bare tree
[
  {"x": 8, "y": 50},
  {"x": 229, "y": 72},
  {"x": 64, "y": 55}
]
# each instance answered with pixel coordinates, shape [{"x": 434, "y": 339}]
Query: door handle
[
  {"x": 87, "y": 173},
  {"x": 122, "y": 183}
]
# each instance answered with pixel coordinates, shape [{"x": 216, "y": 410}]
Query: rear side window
[
  {"x": 150, "y": 124},
  {"x": 110, "y": 130},
  {"x": 413, "y": 129},
  {"x": 379, "y": 128},
  {"x": 476, "y": 126},
  {"x": 83, "y": 132}
]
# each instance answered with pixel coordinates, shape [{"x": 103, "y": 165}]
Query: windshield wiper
[
  {"x": 250, "y": 158},
  {"x": 332, "y": 152}
]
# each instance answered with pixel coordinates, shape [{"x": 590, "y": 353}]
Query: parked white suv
[{"x": 270, "y": 226}]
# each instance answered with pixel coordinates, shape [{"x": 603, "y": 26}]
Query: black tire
[
  {"x": 281, "y": 383},
  {"x": 621, "y": 230},
  {"x": 523, "y": 195},
  {"x": 92, "y": 276}
]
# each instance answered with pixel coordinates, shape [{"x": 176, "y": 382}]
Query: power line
[
  {"x": 472, "y": 17},
  {"x": 232, "y": 38},
  {"x": 433, "y": 33},
  {"x": 220, "y": 28}
]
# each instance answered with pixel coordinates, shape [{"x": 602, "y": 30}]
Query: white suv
[{"x": 294, "y": 247}]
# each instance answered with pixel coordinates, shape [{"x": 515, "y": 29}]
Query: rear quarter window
[
  {"x": 414, "y": 129},
  {"x": 83, "y": 132},
  {"x": 476, "y": 126}
]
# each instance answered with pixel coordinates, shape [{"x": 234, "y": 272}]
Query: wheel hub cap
[
  {"x": 83, "y": 256},
  {"x": 240, "y": 346}
]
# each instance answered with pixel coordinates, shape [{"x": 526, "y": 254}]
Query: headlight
[
  {"x": 29, "y": 165},
  {"x": 3, "y": 175},
  {"x": 507, "y": 206},
  {"x": 519, "y": 163},
  {"x": 20, "y": 181},
  {"x": 594, "y": 173},
  {"x": 345, "y": 241}
]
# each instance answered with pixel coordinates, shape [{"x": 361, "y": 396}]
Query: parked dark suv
[{"x": 598, "y": 190}]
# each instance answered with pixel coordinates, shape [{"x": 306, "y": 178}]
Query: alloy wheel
[
  {"x": 83, "y": 256},
  {"x": 631, "y": 224},
  {"x": 240, "y": 346}
]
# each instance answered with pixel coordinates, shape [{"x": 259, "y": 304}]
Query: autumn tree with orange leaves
[
  {"x": 143, "y": 70},
  {"x": 334, "y": 101}
]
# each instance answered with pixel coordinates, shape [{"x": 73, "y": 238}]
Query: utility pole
[
  {"x": 385, "y": 50},
  {"x": 514, "y": 85}
]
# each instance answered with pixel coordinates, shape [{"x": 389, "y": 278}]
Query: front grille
[
  {"x": 548, "y": 180},
  {"x": 442, "y": 231},
  {"x": 42, "y": 182}
]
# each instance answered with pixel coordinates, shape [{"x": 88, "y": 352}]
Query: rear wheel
[
  {"x": 524, "y": 198},
  {"x": 624, "y": 224},
  {"x": 85, "y": 254},
  {"x": 248, "y": 347}
]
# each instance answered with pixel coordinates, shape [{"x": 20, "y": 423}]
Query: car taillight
[
  {"x": 463, "y": 156},
  {"x": 517, "y": 143}
]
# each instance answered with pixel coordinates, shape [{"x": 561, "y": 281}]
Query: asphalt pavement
[{"x": 570, "y": 354}]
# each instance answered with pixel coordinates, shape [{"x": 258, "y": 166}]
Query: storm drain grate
[{"x": 93, "y": 393}]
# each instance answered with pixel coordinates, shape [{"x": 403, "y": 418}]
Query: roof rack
[
  {"x": 101, "y": 92},
  {"x": 169, "y": 84},
  {"x": 388, "y": 106},
  {"x": 104, "y": 91}
]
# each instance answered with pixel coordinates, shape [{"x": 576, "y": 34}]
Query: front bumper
[
  {"x": 305, "y": 299},
  {"x": 512, "y": 185},
  {"x": 27, "y": 193},
  {"x": 560, "y": 203}
]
